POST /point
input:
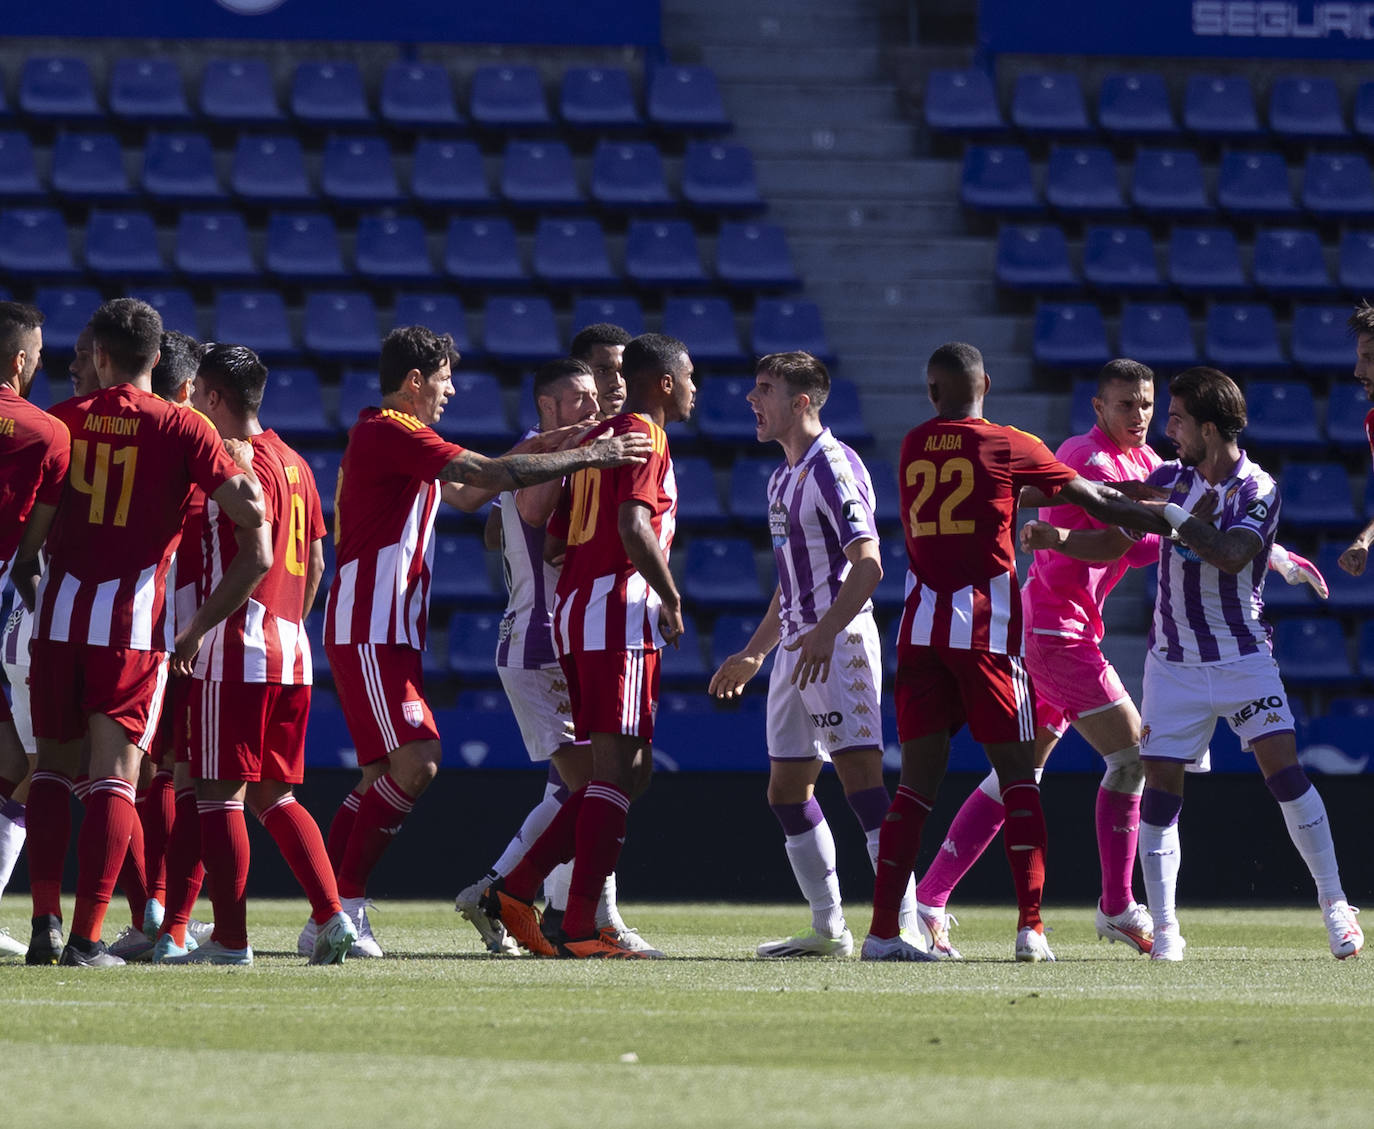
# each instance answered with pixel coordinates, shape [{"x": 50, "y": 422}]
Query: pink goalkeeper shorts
[{"x": 1072, "y": 679}]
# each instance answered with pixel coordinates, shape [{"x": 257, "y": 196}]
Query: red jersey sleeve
[
  {"x": 635, "y": 482},
  {"x": 412, "y": 448},
  {"x": 56, "y": 460},
  {"x": 1032, "y": 464}
]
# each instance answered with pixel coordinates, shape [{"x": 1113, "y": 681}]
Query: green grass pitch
[{"x": 1257, "y": 1027}]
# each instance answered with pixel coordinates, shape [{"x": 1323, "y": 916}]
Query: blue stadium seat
[
  {"x": 572, "y": 252},
  {"x": 1282, "y": 414},
  {"x": 341, "y": 326},
  {"x": 148, "y": 90},
  {"x": 755, "y": 256},
  {"x": 393, "y": 249},
  {"x": 1346, "y": 408},
  {"x": 1363, "y": 115},
  {"x": 1317, "y": 496},
  {"x": 1320, "y": 341},
  {"x": 1338, "y": 186},
  {"x": 256, "y": 318},
  {"x": 1049, "y": 104},
  {"x": 293, "y": 405},
  {"x": 239, "y": 92},
  {"x": 1135, "y": 105},
  {"x": 720, "y": 178},
  {"x": 1159, "y": 335},
  {"x": 443, "y": 313},
  {"x": 324, "y": 466},
  {"x": 304, "y": 246},
  {"x": 1289, "y": 262},
  {"x": 624, "y": 312},
  {"x": 962, "y": 103},
  {"x": 1070, "y": 335},
  {"x": 720, "y": 573},
  {"x": 1169, "y": 182},
  {"x": 1121, "y": 259},
  {"x": 722, "y": 412},
  {"x": 483, "y": 252},
  {"x": 521, "y": 330},
  {"x": 1082, "y": 416},
  {"x": 629, "y": 175},
  {"x": 1349, "y": 594},
  {"x": 1214, "y": 106},
  {"x": 698, "y": 501},
  {"x": 539, "y": 174},
  {"x": 844, "y": 413},
  {"x": 180, "y": 168},
  {"x": 449, "y": 173},
  {"x": 1312, "y": 651},
  {"x": 1083, "y": 181},
  {"x": 1255, "y": 186},
  {"x": 707, "y": 327},
  {"x": 418, "y": 96},
  {"x": 89, "y": 166},
  {"x": 598, "y": 98},
  {"x": 890, "y": 594},
  {"x": 508, "y": 97},
  {"x": 685, "y": 663},
  {"x": 730, "y": 634},
  {"x": 1242, "y": 336},
  {"x": 359, "y": 170},
  {"x": 329, "y": 95},
  {"x": 1306, "y": 109},
  {"x": 476, "y": 416},
  {"x": 997, "y": 178},
  {"x": 1205, "y": 260},
  {"x": 782, "y": 325},
  {"x": 177, "y": 308},
  {"x": 1035, "y": 257},
  {"x": 686, "y": 98},
  {"x": 67, "y": 310},
  {"x": 472, "y": 645},
  {"x": 1356, "y": 269},
  {"x": 33, "y": 241},
  {"x": 360, "y": 388},
  {"x": 18, "y": 168},
  {"x": 663, "y": 253},
  {"x": 270, "y": 170},
  {"x": 123, "y": 245},
  {"x": 1364, "y": 658},
  {"x": 459, "y": 575},
  {"x": 58, "y": 88},
  {"x": 214, "y": 245}
]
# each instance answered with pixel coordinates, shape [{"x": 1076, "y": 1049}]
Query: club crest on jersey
[{"x": 414, "y": 713}]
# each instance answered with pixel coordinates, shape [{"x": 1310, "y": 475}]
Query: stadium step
[
  {"x": 891, "y": 258},
  {"x": 794, "y": 64},
  {"x": 784, "y": 137},
  {"x": 960, "y": 297},
  {"x": 817, "y": 216},
  {"x": 818, "y": 102}
]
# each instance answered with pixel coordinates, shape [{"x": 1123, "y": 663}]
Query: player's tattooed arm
[
  {"x": 1227, "y": 549},
  {"x": 1354, "y": 559},
  {"x": 514, "y": 472}
]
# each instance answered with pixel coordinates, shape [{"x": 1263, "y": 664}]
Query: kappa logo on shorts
[
  {"x": 862, "y": 709},
  {"x": 864, "y": 731},
  {"x": 1258, "y": 706},
  {"x": 414, "y": 713},
  {"x": 1272, "y": 719},
  {"x": 854, "y": 637},
  {"x": 560, "y": 687},
  {"x": 833, "y": 738},
  {"x": 858, "y": 684},
  {"x": 564, "y": 708},
  {"x": 858, "y": 662}
]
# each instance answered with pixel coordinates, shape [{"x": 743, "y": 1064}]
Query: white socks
[
  {"x": 1310, "y": 831},
  {"x": 812, "y": 855},
  {"x": 1159, "y": 860}
]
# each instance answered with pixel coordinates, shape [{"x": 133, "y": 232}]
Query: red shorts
[
  {"x": 70, "y": 681},
  {"x": 248, "y": 731},
  {"x": 612, "y": 692},
  {"x": 944, "y": 688},
  {"x": 382, "y": 691},
  {"x": 171, "y": 736}
]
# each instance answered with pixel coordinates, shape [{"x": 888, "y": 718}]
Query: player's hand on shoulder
[
  {"x": 560, "y": 438},
  {"x": 241, "y": 451},
  {"x": 1354, "y": 559},
  {"x": 619, "y": 450},
  {"x": 729, "y": 679}
]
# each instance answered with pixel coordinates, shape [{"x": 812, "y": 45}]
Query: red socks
[
  {"x": 184, "y": 870},
  {"x": 224, "y": 843},
  {"x": 1025, "y": 839},
  {"x": 600, "y": 833},
  {"x": 381, "y": 812},
  {"x": 298, "y": 838},
  {"x": 556, "y": 845},
  {"x": 899, "y": 840},
  {"x": 133, "y": 879},
  {"x": 49, "y": 818},
  {"x": 100, "y": 850},
  {"x": 156, "y": 812},
  {"x": 341, "y": 827}
]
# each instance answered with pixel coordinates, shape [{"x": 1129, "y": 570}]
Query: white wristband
[{"x": 1175, "y": 515}]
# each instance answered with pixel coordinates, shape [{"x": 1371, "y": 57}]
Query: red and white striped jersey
[
  {"x": 265, "y": 640},
  {"x": 187, "y": 576},
  {"x": 135, "y": 460},
  {"x": 34, "y": 451},
  {"x": 384, "y": 510},
  {"x": 959, "y": 479},
  {"x": 602, "y": 603}
]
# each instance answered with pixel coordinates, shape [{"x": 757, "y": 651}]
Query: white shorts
[
  {"x": 833, "y": 716},
  {"x": 539, "y": 700},
  {"x": 19, "y": 705},
  {"x": 1180, "y": 705}
]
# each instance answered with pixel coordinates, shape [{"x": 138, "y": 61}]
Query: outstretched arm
[
  {"x": 728, "y": 681},
  {"x": 1096, "y": 545},
  {"x": 1354, "y": 559},
  {"x": 513, "y": 472}
]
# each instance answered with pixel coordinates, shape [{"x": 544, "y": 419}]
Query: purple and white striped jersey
[
  {"x": 14, "y": 647},
  {"x": 815, "y": 510},
  {"x": 525, "y": 637},
  {"x": 1202, "y": 614}
]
